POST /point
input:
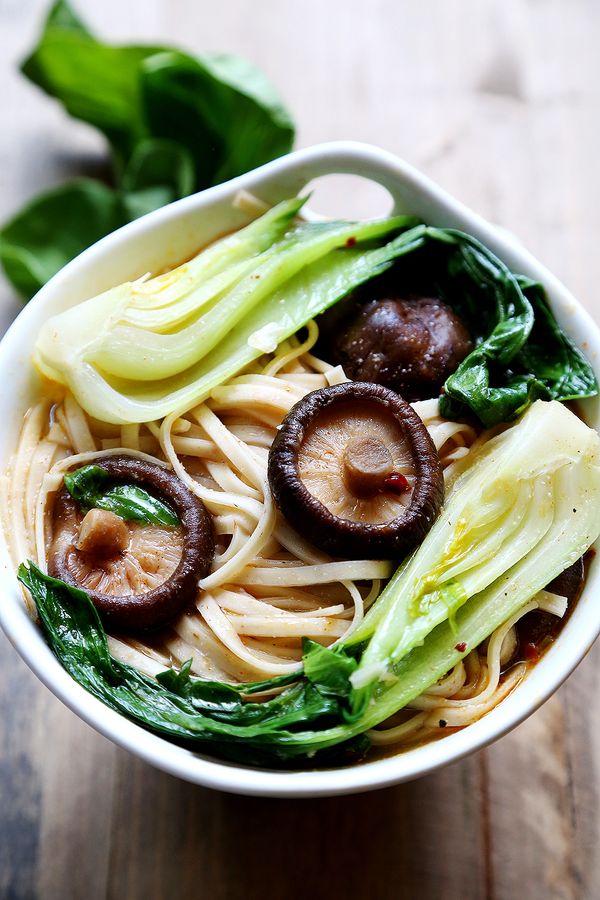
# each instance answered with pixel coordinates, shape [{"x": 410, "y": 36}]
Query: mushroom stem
[
  {"x": 102, "y": 534},
  {"x": 367, "y": 463}
]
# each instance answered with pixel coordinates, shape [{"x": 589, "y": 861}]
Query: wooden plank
[
  {"x": 55, "y": 773},
  {"x": 542, "y": 786},
  {"x": 20, "y": 782},
  {"x": 76, "y": 769},
  {"x": 380, "y": 844}
]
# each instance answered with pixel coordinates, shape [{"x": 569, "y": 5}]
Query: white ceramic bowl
[{"x": 163, "y": 239}]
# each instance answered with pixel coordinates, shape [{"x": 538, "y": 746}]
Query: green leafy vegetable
[
  {"x": 521, "y": 354},
  {"x": 89, "y": 486},
  {"x": 95, "y": 82},
  {"x": 208, "y": 712},
  {"x": 158, "y": 172},
  {"x": 182, "y": 683},
  {"x": 551, "y": 355},
  {"x": 329, "y": 670},
  {"x": 175, "y": 124},
  {"x": 137, "y": 353},
  {"x": 221, "y": 108},
  {"x": 54, "y": 228},
  {"x": 406, "y": 642}
]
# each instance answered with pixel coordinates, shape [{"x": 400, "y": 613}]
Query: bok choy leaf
[
  {"x": 30, "y": 252},
  {"x": 175, "y": 124},
  {"x": 91, "y": 487},
  {"x": 184, "y": 709},
  {"x": 218, "y": 108}
]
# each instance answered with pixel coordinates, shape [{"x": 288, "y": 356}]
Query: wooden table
[{"x": 499, "y": 101}]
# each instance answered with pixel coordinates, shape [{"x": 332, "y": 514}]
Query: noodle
[{"x": 268, "y": 587}]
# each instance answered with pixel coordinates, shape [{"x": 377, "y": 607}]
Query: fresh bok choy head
[{"x": 523, "y": 511}]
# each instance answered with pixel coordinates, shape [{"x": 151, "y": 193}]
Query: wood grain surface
[{"x": 498, "y": 100}]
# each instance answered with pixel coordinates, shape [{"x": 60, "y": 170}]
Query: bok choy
[
  {"x": 152, "y": 347},
  {"x": 143, "y": 350},
  {"x": 91, "y": 487},
  {"x": 499, "y": 511},
  {"x": 175, "y": 124},
  {"x": 524, "y": 510}
]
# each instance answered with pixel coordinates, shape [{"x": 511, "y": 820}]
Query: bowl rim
[{"x": 549, "y": 673}]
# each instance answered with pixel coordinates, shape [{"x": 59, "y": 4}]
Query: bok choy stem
[
  {"x": 299, "y": 299},
  {"x": 63, "y": 346},
  {"x": 128, "y": 352},
  {"x": 497, "y": 513},
  {"x": 144, "y": 350}
]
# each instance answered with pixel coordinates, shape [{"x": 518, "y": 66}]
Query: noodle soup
[{"x": 312, "y": 483}]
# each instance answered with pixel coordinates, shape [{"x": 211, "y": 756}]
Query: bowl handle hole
[{"x": 347, "y": 197}]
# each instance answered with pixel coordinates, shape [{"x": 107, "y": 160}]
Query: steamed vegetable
[
  {"x": 499, "y": 511},
  {"x": 487, "y": 561},
  {"x": 145, "y": 349},
  {"x": 175, "y": 124},
  {"x": 183, "y": 709},
  {"x": 127, "y": 351},
  {"x": 112, "y": 352},
  {"x": 90, "y": 486},
  {"x": 521, "y": 354}
]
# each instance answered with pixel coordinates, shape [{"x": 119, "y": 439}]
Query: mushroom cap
[
  {"x": 411, "y": 343},
  {"x": 165, "y": 562},
  {"x": 354, "y": 470}
]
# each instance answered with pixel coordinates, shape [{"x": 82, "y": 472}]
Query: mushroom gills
[
  {"x": 119, "y": 558},
  {"x": 346, "y": 458}
]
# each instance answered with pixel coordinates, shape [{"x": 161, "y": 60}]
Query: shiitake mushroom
[
  {"x": 409, "y": 343},
  {"x": 139, "y": 576},
  {"x": 538, "y": 628},
  {"x": 354, "y": 470}
]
